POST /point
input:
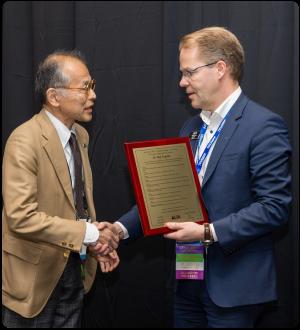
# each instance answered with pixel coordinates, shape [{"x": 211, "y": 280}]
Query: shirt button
[{"x": 211, "y": 131}]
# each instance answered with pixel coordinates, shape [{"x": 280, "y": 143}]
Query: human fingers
[
  {"x": 175, "y": 236},
  {"x": 103, "y": 266},
  {"x": 102, "y": 224},
  {"x": 109, "y": 237},
  {"x": 110, "y": 262},
  {"x": 175, "y": 225},
  {"x": 99, "y": 249}
]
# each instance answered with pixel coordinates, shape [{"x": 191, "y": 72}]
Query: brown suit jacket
[{"x": 39, "y": 229}]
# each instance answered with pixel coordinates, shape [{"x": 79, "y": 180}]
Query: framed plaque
[{"x": 165, "y": 182}]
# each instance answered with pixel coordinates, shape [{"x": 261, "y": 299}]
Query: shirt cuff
[
  {"x": 91, "y": 234},
  {"x": 125, "y": 231},
  {"x": 212, "y": 229}
]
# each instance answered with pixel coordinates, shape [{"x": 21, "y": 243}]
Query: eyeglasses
[
  {"x": 189, "y": 73},
  {"x": 88, "y": 86}
]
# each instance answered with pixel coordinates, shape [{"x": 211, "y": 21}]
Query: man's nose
[
  {"x": 92, "y": 94},
  {"x": 183, "y": 82}
]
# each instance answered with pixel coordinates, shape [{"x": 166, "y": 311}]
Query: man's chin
[
  {"x": 86, "y": 118},
  {"x": 195, "y": 105}
]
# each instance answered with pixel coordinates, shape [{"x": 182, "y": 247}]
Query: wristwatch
[{"x": 208, "y": 237}]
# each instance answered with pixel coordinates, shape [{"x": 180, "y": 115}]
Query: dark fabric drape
[{"x": 132, "y": 51}]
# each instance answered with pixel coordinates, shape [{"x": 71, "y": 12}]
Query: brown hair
[{"x": 217, "y": 43}]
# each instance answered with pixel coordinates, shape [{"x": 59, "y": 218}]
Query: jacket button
[
  {"x": 66, "y": 254},
  {"x": 63, "y": 243},
  {"x": 71, "y": 246}
]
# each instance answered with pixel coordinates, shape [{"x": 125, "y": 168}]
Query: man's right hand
[{"x": 108, "y": 238}]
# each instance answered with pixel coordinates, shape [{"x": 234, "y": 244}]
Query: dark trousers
[
  {"x": 195, "y": 309},
  {"x": 63, "y": 309}
]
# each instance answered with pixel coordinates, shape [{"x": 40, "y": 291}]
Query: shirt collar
[
  {"x": 222, "y": 109},
  {"x": 63, "y": 131}
]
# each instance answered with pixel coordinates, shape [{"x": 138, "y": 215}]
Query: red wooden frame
[{"x": 129, "y": 146}]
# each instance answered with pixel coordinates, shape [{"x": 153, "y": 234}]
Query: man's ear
[
  {"x": 52, "y": 97},
  {"x": 222, "y": 68}
]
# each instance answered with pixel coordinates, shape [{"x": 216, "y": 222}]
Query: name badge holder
[{"x": 189, "y": 261}]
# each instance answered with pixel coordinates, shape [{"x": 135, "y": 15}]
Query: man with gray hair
[{"x": 48, "y": 213}]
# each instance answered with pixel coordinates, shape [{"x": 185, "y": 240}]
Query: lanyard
[{"x": 199, "y": 160}]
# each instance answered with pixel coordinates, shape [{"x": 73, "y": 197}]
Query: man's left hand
[
  {"x": 109, "y": 262},
  {"x": 185, "y": 231}
]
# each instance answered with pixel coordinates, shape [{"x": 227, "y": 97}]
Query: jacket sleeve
[
  {"x": 270, "y": 181},
  {"x": 21, "y": 202}
]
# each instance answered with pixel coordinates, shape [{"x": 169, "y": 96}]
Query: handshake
[{"x": 105, "y": 249}]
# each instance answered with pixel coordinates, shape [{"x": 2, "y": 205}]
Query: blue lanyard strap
[{"x": 199, "y": 160}]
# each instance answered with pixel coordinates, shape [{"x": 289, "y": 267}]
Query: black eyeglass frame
[{"x": 189, "y": 73}]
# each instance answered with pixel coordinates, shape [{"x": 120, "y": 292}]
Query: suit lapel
[
  {"x": 225, "y": 135},
  {"x": 56, "y": 155},
  {"x": 194, "y": 144},
  {"x": 195, "y": 128}
]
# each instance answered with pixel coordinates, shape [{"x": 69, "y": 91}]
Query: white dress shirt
[
  {"x": 64, "y": 133},
  {"x": 213, "y": 120}
]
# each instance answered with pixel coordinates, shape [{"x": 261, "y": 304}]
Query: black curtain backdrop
[{"x": 132, "y": 51}]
